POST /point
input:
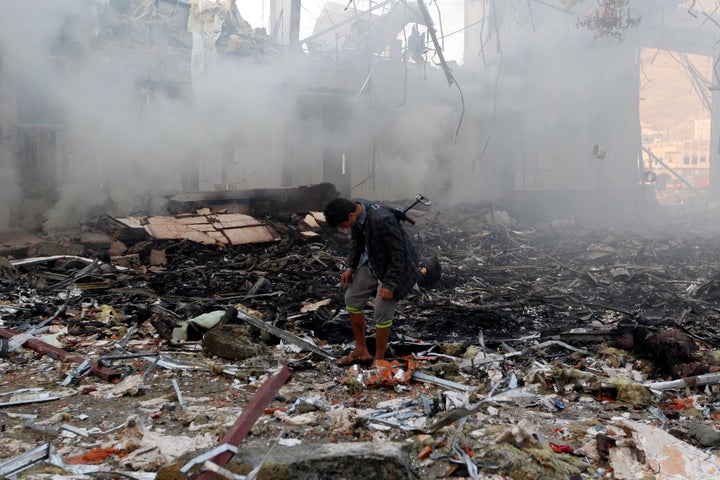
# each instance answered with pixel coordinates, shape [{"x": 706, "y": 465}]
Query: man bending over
[{"x": 382, "y": 264}]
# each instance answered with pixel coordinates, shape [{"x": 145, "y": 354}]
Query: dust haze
[{"x": 518, "y": 120}]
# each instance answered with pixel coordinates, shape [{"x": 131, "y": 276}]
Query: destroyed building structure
[
  {"x": 181, "y": 314},
  {"x": 117, "y": 99}
]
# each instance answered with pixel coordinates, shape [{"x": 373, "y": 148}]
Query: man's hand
[
  {"x": 346, "y": 277},
  {"x": 386, "y": 294}
]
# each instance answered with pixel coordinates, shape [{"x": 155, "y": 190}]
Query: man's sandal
[{"x": 352, "y": 359}]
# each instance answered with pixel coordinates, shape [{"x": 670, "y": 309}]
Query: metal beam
[
  {"x": 60, "y": 354},
  {"x": 715, "y": 132},
  {"x": 438, "y": 48},
  {"x": 247, "y": 419}
]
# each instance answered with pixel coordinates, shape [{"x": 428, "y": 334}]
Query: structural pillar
[
  {"x": 285, "y": 23},
  {"x": 285, "y": 30},
  {"x": 714, "y": 194}
]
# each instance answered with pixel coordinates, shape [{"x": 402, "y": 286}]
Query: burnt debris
[{"x": 509, "y": 312}]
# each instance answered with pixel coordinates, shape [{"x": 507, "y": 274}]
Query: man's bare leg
[
  {"x": 360, "y": 353},
  {"x": 357, "y": 321},
  {"x": 381, "y": 341}
]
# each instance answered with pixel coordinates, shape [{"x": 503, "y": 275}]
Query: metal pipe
[
  {"x": 60, "y": 354},
  {"x": 247, "y": 418}
]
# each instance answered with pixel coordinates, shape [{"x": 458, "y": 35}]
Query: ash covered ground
[{"x": 516, "y": 290}]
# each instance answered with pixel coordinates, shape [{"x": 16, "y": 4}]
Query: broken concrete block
[
  {"x": 7, "y": 269},
  {"x": 231, "y": 342},
  {"x": 116, "y": 249},
  {"x": 704, "y": 435},
  {"x": 157, "y": 257},
  {"x": 95, "y": 240},
  {"x": 349, "y": 461}
]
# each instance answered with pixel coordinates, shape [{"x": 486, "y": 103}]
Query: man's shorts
[{"x": 365, "y": 285}]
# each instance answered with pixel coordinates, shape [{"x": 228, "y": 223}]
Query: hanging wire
[
  {"x": 481, "y": 52},
  {"x": 466, "y": 27},
  {"x": 697, "y": 79},
  {"x": 462, "y": 113},
  {"x": 405, "y": 58},
  {"x": 446, "y": 69}
]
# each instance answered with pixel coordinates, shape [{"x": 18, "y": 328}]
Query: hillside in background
[{"x": 669, "y": 102}]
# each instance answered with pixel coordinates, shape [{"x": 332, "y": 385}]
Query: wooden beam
[{"x": 247, "y": 419}]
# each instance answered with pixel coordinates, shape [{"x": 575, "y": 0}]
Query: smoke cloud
[{"x": 114, "y": 92}]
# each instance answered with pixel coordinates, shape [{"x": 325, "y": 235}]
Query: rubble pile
[{"x": 532, "y": 350}]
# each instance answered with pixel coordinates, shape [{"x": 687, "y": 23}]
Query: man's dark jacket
[{"x": 391, "y": 254}]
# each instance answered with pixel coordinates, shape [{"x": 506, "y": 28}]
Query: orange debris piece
[{"x": 93, "y": 456}]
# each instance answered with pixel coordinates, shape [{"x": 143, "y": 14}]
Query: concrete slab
[
  {"x": 206, "y": 229},
  {"x": 15, "y": 244},
  {"x": 337, "y": 461}
]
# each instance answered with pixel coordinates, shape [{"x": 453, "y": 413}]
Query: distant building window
[
  {"x": 703, "y": 159},
  {"x": 686, "y": 160},
  {"x": 694, "y": 159}
]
